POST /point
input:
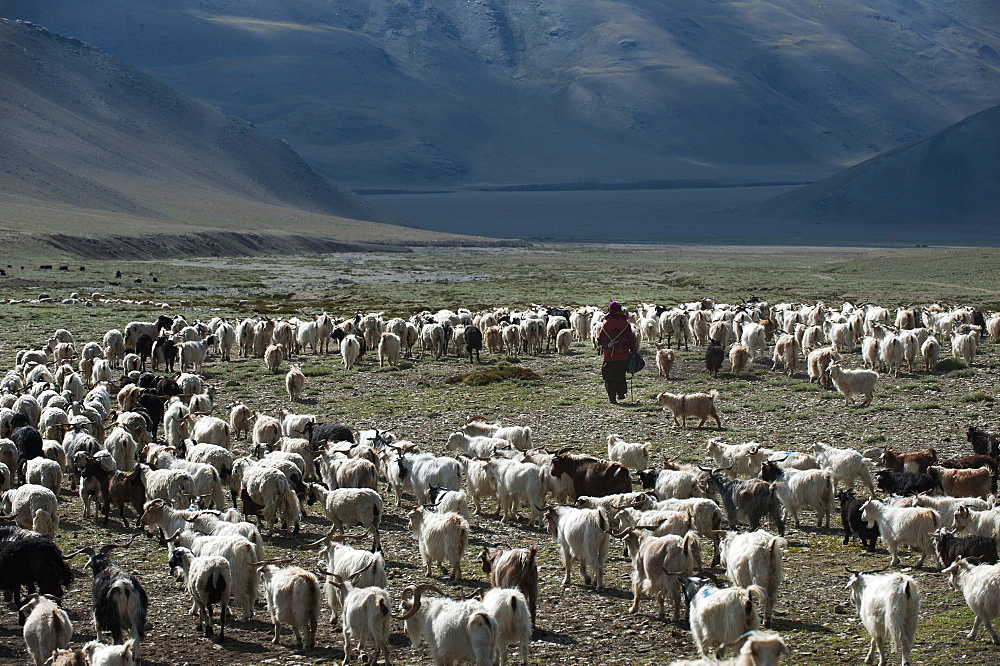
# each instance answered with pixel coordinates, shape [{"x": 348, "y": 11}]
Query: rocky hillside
[{"x": 420, "y": 93}]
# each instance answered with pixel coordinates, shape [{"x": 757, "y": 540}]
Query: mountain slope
[
  {"x": 451, "y": 92},
  {"x": 949, "y": 178}
]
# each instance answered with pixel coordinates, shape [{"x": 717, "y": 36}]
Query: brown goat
[
  {"x": 964, "y": 482},
  {"x": 514, "y": 569},
  {"x": 916, "y": 462}
]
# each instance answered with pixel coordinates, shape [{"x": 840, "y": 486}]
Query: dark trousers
[{"x": 613, "y": 373}]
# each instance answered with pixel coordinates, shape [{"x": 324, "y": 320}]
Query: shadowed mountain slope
[
  {"x": 949, "y": 178},
  {"x": 423, "y": 93},
  {"x": 90, "y": 145}
]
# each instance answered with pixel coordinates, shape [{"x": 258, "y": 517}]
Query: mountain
[
  {"x": 434, "y": 93},
  {"x": 91, "y": 146},
  {"x": 951, "y": 178}
]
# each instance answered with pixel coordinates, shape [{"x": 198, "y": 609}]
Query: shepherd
[{"x": 617, "y": 340}]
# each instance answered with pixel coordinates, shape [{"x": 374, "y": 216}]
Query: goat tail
[
  {"x": 902, "y": 627},
  {"x": 756, "y": 599},
  {"x": 713, "y": 394}
]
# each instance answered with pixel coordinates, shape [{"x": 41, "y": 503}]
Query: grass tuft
[
  {"x": 493, "y": 375},
  {"x": 977, "y": 396}
]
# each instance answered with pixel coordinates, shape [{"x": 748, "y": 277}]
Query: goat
[
  {"x": 902, "y": 526},
  {"x": 904, "y": 483},
  {"x": 853, "y": 382},
  {"x": 950, "y": 547},
  {"x": 698, "y": 405},
  {"x": 980, "y": 585},
  {"x": 48, "y": 627},
  {"x": 963, "y": 482},
  {"x": 889, "y": 607},
  {"x": 714, "y": 356},
  {"x": 209, "y": 580},
  {"x": 847, "y": 465},
  {"x": 359, "y": 567},
  {"x": 916, "y": 462},
  {"x": 582, "y": 536},
  {"x": 797, "y": 489},
  {"x": 33, "y": 507},
  {"x": 293, "y": 598},
  {"x": 983, "y": 443},
  {"x": 367, "y": 616},
  {"x": 850, "y": 517},
  {"x": 441, "y": 538},
  {"x": 657, "y": 564},
  {"x": 32, "y": 560},
  {"x": 753, "y": 499},
  {"x": 754, "y": 558},
  {"x": 119, "y": 601},
  {"x": 510, "y": 609},
  {"x": 720, "y": 617},
  {"x": 516, "y": 568},
  {"x": 590, "y": 476},
  {"x": 632, "y": 455},
  {"x": 455, "y": 631}
]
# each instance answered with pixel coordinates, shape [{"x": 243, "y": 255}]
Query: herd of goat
[{"x": 94, "y": 419}]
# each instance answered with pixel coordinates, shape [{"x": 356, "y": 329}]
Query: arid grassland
[{"x": 567, "y": 406}]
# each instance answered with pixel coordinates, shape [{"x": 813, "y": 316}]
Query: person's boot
[{"x": 611, "y": 393}]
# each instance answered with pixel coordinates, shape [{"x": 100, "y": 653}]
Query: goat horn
[
  {"x": 567, "y": 449},
  {"x": 543, "y": 508},
  {"x": 622, "y": 534},
  {"x": 86, "y": 549}
]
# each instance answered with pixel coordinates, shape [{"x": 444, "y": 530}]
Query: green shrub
[
  {"x": 977, "y": 396},
  {"x": 494, "y": 375}
]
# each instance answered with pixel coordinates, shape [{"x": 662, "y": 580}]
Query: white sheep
[
  {"x": 293, "y": 598},
  {"x": 46, "y": 628},
  {"x": 33, "y": 507},
  {"x": 442, "y": 538},
  {"x": 629, "y": 454},
  {"x": 889, "y": 607},
  {"x": 853, "y": 382}
]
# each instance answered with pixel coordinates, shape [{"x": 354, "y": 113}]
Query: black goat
[
  {"x": 318, "y": 433},
  {"x": 118, "y": 602},
  {"x": 950, "y": 547},
  {"x": 29, "y": 559},
  {"x": 850, "y": 517},
  {"x": 983, "y": 443},
  {"x": 904, "y": 483},
  {"x": 754, "y": 499},
  {"x": 152, "y": 404},
  {"x": 29, "y": 446},
  {"x": 167, "y": 387},
  {"x": 473, "y": 342},
  {"x": 714, "y": 357},
  {"x": 144, "y": 348},
  {"x": 165, "y": 348}
]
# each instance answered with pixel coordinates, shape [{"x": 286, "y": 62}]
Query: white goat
[
  {"x": 46, "y": 628},
  {"x": 510, "y": 609},
  {"x": 442, "y": 538},
  {"x": 658, "y": 562},
  {"x": 853, "y": 382},
  {"x": 347, "y": 507},
  {"x": 518, "y": 483},
  {"x": 582, "y": 536},
  {"x": 33, "y": 507},
  {"x": 455, "y": 631},
  {"x": 903, "y": 526},
  {"x": 629, "y": 454},
  {"x": 847, "y": 465},
  {"x": 754, "y": 558},
  {"x": 980, "y": 585},
  {"x": 295, "y": 381},
  {"x": 293, "y": 598},
  {"x": 209, "y": 581},
  {"x": 889, "y": 606},
  {"x": 720, "y": 618},
  {"x": 44, "y": 472}
]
